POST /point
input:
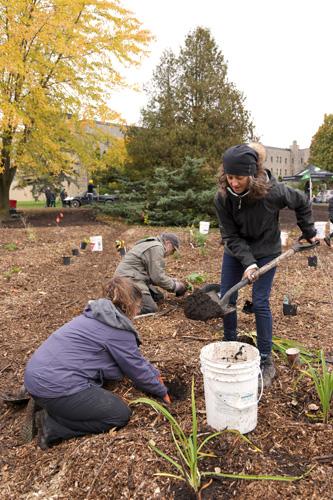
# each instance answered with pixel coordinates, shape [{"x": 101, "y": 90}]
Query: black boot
[{"x": 267, "y": 369}]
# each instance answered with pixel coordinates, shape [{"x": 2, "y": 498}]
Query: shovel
[{"x": 205, "y": 304}]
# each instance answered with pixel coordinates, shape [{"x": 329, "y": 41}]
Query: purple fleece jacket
[{"x": 86, "y": 351}]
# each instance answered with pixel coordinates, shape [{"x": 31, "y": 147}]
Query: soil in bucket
[{"x": 230, "y": 371}]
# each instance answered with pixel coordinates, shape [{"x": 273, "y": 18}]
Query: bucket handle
[{"x": 251, "y": 404}]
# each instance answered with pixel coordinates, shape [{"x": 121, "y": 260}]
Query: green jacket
[{"x": 144, "y": 263}]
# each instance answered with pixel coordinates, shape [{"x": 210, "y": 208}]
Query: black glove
[{"x": 180, "y": 288}]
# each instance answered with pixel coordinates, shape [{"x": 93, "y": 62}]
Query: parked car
[
  {"x": 83, "y": 199},
  {"x": 323, "y": 196}
]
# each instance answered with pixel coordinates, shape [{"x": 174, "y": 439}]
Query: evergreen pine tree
[{"x": 193, "y": 110}]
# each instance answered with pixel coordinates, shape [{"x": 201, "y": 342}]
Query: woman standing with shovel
[{"x": 248, "y": 205}]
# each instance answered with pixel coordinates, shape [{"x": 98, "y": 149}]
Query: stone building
[{"x": 286, "y": 161}]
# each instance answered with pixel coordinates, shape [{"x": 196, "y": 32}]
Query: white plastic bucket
[
  {"x": 284, "y": 238},
  {"x": 204, "y": 227},
  {"x": 96, "y": 243},
  {"x": 331, "y": 227},
  {"x": 231, "y": 385},
  {"x": 321, "y": 229}
]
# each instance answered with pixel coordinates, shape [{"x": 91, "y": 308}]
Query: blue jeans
[{"x": 232, "y": 271}]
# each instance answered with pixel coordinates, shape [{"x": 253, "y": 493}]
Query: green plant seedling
[
  {"x": 195, "y": 278},
  {"x": 323, "y": 382},
  {"x": 31, "y": 234},
  {"x": 10, "y": 246},
  {"x": 13, "y": 270},
  {"x": 198, "y": 238},
  {"x": 189, "y": 450}
]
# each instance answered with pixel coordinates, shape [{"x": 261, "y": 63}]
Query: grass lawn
[{"x": 31, "y": 204}]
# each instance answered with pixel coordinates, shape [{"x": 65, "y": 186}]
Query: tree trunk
[{"x": 7, "y": 175}]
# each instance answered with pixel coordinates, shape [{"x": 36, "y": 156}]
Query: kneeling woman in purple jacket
[{"x": 66, "y": 373}]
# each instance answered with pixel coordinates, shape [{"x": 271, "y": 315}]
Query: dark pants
[
  {"x": 150, "y": 300},
  {"x": 91, "y": 411},
  {"x": 232, "y": 271}
]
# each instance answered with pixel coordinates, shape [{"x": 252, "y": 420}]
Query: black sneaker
[
  {"x": 327, "y": 240},
  {"x": 268, "y": 370}
]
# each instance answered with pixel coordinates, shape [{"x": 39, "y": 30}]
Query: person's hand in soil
[
  {"x": 166, "y": 398},
  {"x": 180, "y": 288}
]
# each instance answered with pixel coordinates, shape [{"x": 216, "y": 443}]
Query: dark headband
[{"x": 240, "y": 160}]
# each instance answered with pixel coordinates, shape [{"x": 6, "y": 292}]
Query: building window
[
  {"x": 292, "y": 160},
  {"x": 301, "y": 160},
  {"x": 285, "y": 171},
  {"x": 271, "y": 159},
  {"x": 285, "y": 160}
]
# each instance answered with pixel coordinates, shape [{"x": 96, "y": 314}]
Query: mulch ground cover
[{"x": 38, "y": 294}]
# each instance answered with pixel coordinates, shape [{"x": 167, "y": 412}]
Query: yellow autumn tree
[{"x": 59, "y": 62}]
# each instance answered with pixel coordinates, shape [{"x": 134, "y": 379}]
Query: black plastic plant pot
[
  {"x": 248, "y": 307},
  {"x": 66, "y": 260},
  {"x": 83, "y": 245},
  {"x": 313, "y": 261},
  {"x": 290, "y": 309},
  {"x": 75, "y": 251}
]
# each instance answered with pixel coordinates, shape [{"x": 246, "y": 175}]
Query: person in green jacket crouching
[{"x": 145, "y": 265}]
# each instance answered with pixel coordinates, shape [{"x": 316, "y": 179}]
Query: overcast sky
[{"x": 279, "y": 54}]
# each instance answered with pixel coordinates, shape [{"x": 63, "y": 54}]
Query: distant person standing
[
  {"x": 52, "y": 198},
  {"x": 90, "y": 190},
  {"x": 63, "y": 194},
  {"x": 48, "y": 196},
  {"x": 327, "y": 239}
]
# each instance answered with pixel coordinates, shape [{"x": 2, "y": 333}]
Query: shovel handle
[
  {"x": 262, "y": 270},
  {"x": 273, "y": 263}
]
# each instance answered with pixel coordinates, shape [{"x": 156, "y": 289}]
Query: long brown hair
[
  {"x": 258, "y": 187},
  {"x": 124, "y": 294}
]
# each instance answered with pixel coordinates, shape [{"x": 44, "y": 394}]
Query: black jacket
[{"x": 250, "y": 228}]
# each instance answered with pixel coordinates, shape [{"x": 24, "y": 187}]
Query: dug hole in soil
[{"x": 38, "y": 294}]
